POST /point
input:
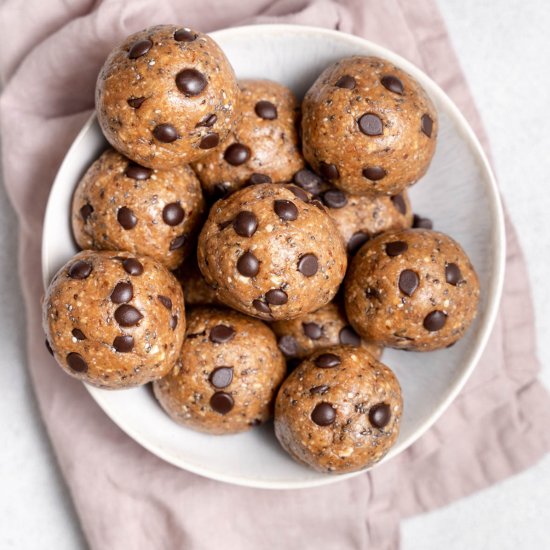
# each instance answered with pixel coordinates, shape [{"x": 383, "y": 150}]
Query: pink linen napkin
[{"x": 126, "y": 497}]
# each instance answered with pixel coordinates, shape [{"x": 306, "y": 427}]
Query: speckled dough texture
[
  {"x": 229, "y": 372},
  {"x": 196, "y": 291},
  {"x": 368, "y": 127},
  {"x": 413, "y": 289},
  {"x": 114, "y": 320},
  {"x": 262, "y": 148},
  {"x": 342, "y": 417},
  {"x": 119, "y": 205},
  {"x": 271, "y": 254},
  {"x": 166, "y": 96}
]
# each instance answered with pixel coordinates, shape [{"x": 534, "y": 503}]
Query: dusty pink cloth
[{"x": 126, "y": 497}]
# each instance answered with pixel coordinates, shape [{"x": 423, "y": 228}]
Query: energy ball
[
  {"x": 114, "y": 320},
  {"x": 368, "y": 127},
  {"x": 339, "y": 411},
  {"x": 413, "y": 289},
  {"x": 263, "y": 148},
  {"x": 166, "y": 96},
  {"x": 271, "y": 253},
  {"x": 120, "y": 205},
  {"x": 196, "y": 291},
  {"x": 320, "y": 329},
  {"x": 229, "y": 372}
]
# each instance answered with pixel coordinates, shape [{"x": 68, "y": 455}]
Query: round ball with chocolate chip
[
  {"x": 263, "y": 148},
  {"x": 113, "y": 319},
  {"x": 339, "y": 411},
  {"x": 320, "y": 329},
  {"x": 227, "y": 376},
  {"x": 120, "y": 205},
  {"x": 271, "y": 253},
  {"x": 368, "y": 127},
  {"x": 413, "y": 289},
  {"x": 166, "y": 96}
]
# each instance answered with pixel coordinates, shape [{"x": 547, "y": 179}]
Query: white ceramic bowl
[{"x": 459, "y": 193}]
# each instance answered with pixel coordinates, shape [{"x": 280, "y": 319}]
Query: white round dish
[{"x": 459, "y": 193}]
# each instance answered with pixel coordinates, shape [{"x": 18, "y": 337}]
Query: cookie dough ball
[
  {"x": 114, "y": 320},
  {"x": 166, "y": 96},
  {"x": 413, "y": 289},
  {"x": 196, "y": 291},
  {"x": 271, "y": 253},
  {"x": 119, "y": 205},
  {"x": 339, "y": 411},
  {"x": 263, "y": 148},
  {"x": 228, "y": 375},
  {"x": 321, "y": 329},
  {"x": 368, "y": 127}
]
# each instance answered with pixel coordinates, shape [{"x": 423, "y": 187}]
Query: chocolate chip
[
  {"x": 80, "y": 270},
  {"x": 126, "y": 217},
  {"x": 185, "y": 35},
  {"x": 320, "y": 390},
  {"x": 266, "y": 110},
  {"x": 76, "y": 362},
  {"x": 237, "y": 154},
  {"x": 346, "y": 81},
  {"x": 435, "y": 321},
  {"x": 422, "y": 223},
  {"x": 191, "y": 82},
  {"x": 329, "y": 171},
  {"x": 396, "y": 248},
  {"x": 221, "y": 402},
  {"x": 399, "y": 203},
  {"x": 308, "y": 265},
  {"x": 452, "y": 274},
  {"x": 86, "y": 212},
  {"x": 256, "y": 179},
  {"x": 173, "y": 214},
  {"x": 208, "y": 121},
  {"x": 127, "y": 316},
  {"x": 209, "y": 141},
  {"x": 132, "y": 266},
  {"x": 288, "y": 345},
  {"x": 380, "y": 415},
  {"x": 165, "y": 301},
  {"x": 308, "y": 180},
  {"x": 139, "y": 48},
  {"x": 78, "y": 334},
  {"x": 327, "y": 361},
  {"x": 245, "y": 223},
  {"x": 427, "y": 125},
  {"x": 48, "y": 347},
  {"x": 323, "y": 414},
  {"x": 220, "y": 334},
  {"x": 221, "y": 377},
  {"x": 374, "y": 173},
  {"x": 178, "y": 242},
  {"x": 300, "y": 193},
  {"x": 357, "y": 240},
  {"x": 318, "y": 204},
  {"x": 137, "y": 172},
  {"x": 276, "y": 297},
  {"x": 173, "y": 322},
  {"x": 393, "y": 84},
  {"x": 248, "y": 265},
  {"x": 370, "y": 124},
  {"x": 123, "y": 344},
  {"x": 348, "y": 337},
  {"x": 135, "y": 102},
  {"x": 262, "y": 307},
  {"x": 286, "y": 210},
  {"x": 334, "y": 198},
  {"x": 312, "y": 330},
  {"x": 165, "y": 133},
  {"x": 408, "y": 282},
  {"x": 122, "y": 293}
]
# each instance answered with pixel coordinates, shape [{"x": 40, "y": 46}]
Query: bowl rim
[{"x": 498, "y": 242}]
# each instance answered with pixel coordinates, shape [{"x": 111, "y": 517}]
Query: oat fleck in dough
[
  {"x": 120, "y": 205},
  {"x": 339, "y": 411},
  {"x": 413, "y": 289},
  {"x": 113, "y": 319},
  {"x": 271, "y": 253},
  {"x": 368, "y": 127},
  {"x": 166, "y": 96},
  {"x": 229, "y": 372}
]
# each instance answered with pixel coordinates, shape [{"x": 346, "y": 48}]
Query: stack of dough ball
[
  {"x": 271, "y": 253},
  {"x": 263, "y": 148},
  {"x": 119, "y": 205},
  {"x": 413, "y": 289},
  {"x": 113, "y": 319},
  {"x": 339, "y": 411},
  {"x": 318, "y": 330},
  {"x": 368, "y": 127},
  {"x": 228, "y": 375},
  {"x": 166, "y": 96}
]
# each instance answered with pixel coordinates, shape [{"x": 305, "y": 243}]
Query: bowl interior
[{"x": 458, "y": 193}]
